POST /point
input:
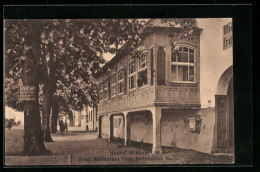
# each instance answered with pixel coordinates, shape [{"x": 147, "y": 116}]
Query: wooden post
[
  {"x": 110, "y": 137},
  {"x": 99, "y": 126},
  {"x": 156, "y": 112},
  {"x": 126, "y": 129}
]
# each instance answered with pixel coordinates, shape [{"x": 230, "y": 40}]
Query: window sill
[{"x": 188, "y": 84}]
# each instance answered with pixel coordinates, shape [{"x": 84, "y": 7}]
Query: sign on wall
[
  {"x": 227, "y": 36},
  {"x": 191, "y": 124},
  {"x": 27, "y": 93}
]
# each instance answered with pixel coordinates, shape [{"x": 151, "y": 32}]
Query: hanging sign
[
  {"x": 227, "y": 36},
  {"x": 27, "y": 93}
]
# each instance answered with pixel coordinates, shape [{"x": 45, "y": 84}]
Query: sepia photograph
[{"x": 118, "y": 91}]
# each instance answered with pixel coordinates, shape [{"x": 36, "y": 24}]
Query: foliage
[{"x": 72, "y": 53}]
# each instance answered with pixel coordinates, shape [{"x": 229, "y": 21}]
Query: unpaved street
[{"x": 81, "y": 148}]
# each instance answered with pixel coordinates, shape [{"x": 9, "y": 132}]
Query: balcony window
[
  {"x": 101, "y": 92},
  {"x": 120, "y": 82},
  {"x": 113, "y": 85},
  {"x": 143, "y": 61},
  {"x": 131, "y": 73},
  {"x": 105, "y": 92},
  {"x": 182, "y": 65},
  {"x": 142, "y": 73}
]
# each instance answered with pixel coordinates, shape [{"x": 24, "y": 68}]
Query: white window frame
[
  {"x": 131, "y": 75},
  {"x": 101, "y": 92},
  {"x": 113, "y": 84},
  {"x": 146, "y": 62},
  {"x": 106, "y": 89},
  {"x": 184, "y": 64},
  {"x": 121, "y": 80}
]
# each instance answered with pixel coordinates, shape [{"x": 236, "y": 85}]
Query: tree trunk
[
  {"x": 54, "y": 117},
  {"x": 33, "y": 138},
  {"x": 48, "y": 91},
  {"x": 46, "y": 112}
]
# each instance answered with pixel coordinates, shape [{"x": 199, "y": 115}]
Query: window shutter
[
  {"x": 151, "y": 66},
  {"x": 125, "y": 80},
  {"x": 99, "y": 92},
  {"x": 103, "y": 86},
  {"x": 161, "y": 66},
  {"x": 109, "y": 88}
]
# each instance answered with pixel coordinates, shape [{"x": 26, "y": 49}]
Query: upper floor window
[
  {"x": 131, "y": 74},
  {"x": 143, "y": 60},
  {"x": 101, "y": 92},
  {"x": 182, "y": 65},
  {"x": 120, "y": 78},
  {"x": 105, "y": 92},
  {"x": 113, "y": 85},
  {"x": 142, "y": 73}
]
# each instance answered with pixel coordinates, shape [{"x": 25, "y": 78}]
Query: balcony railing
[
  {"x": 185, "y": 95},
  {"x": 134, "y": 99}
]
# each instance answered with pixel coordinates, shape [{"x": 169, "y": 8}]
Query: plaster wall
[
  {"x": 213, "y": 59},
  {"x": 174, "y": 129},
  {"x": 105, "y": 125}
]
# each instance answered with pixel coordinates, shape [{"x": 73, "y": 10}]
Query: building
[
  {"x": 89, "y": 118},
  {"x": 166, "y": 97}
]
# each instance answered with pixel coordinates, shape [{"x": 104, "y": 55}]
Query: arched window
[
  {"x": 120, "y": 80},
  {"x": 131, "y": 73},
  {"x": 183, "y": 64}
]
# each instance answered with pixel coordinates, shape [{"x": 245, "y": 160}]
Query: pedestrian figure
[
  {"x": 61, "y": 127},
  {"x": 66, "y": 127},
  {"x": 10, "y": 124}
]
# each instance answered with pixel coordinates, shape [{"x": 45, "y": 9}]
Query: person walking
[
  {"x": 66, "y": 127},
  {"x": 61, "y": 127}
]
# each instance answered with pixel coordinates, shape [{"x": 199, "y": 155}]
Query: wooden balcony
[
  {"x": 177, "y": 95},
  {"x": 136, "y": 98},
  {"x": 174, "y": 95}
]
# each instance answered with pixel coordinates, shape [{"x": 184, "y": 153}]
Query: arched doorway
[{"x": 224, "y": 124}]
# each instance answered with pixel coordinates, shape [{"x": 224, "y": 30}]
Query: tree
[
  {"x": 22, "y": 48},
  {"x": 65, "y": 55}
]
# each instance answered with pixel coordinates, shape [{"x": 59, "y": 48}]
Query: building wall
[
  {"x": 105, "y": 125},
  {"x": 77, "y": 118},
  {"x": 88, "y": 117},
  {"x": 213, "y": 62},
  {"x": 213, "y": 59},
  {"x": 174, "y": 129}
]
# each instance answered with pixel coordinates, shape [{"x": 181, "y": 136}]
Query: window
[
  {"x": 131, "y": 73},
  {"x": 101, "y": 92},
  {"x": 182, "y": 65},
  {"x": 113, "y": 85},
  {"x": 91, "y": 115},
  {"x": 142, "y": 73},
  {"x": 105, "y": 90},
  {"x": 143, "y": 60},
  {"x": 120, "y": 81}
]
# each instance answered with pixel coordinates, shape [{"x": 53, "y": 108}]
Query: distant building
[{"x": 89, "y": 120}]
